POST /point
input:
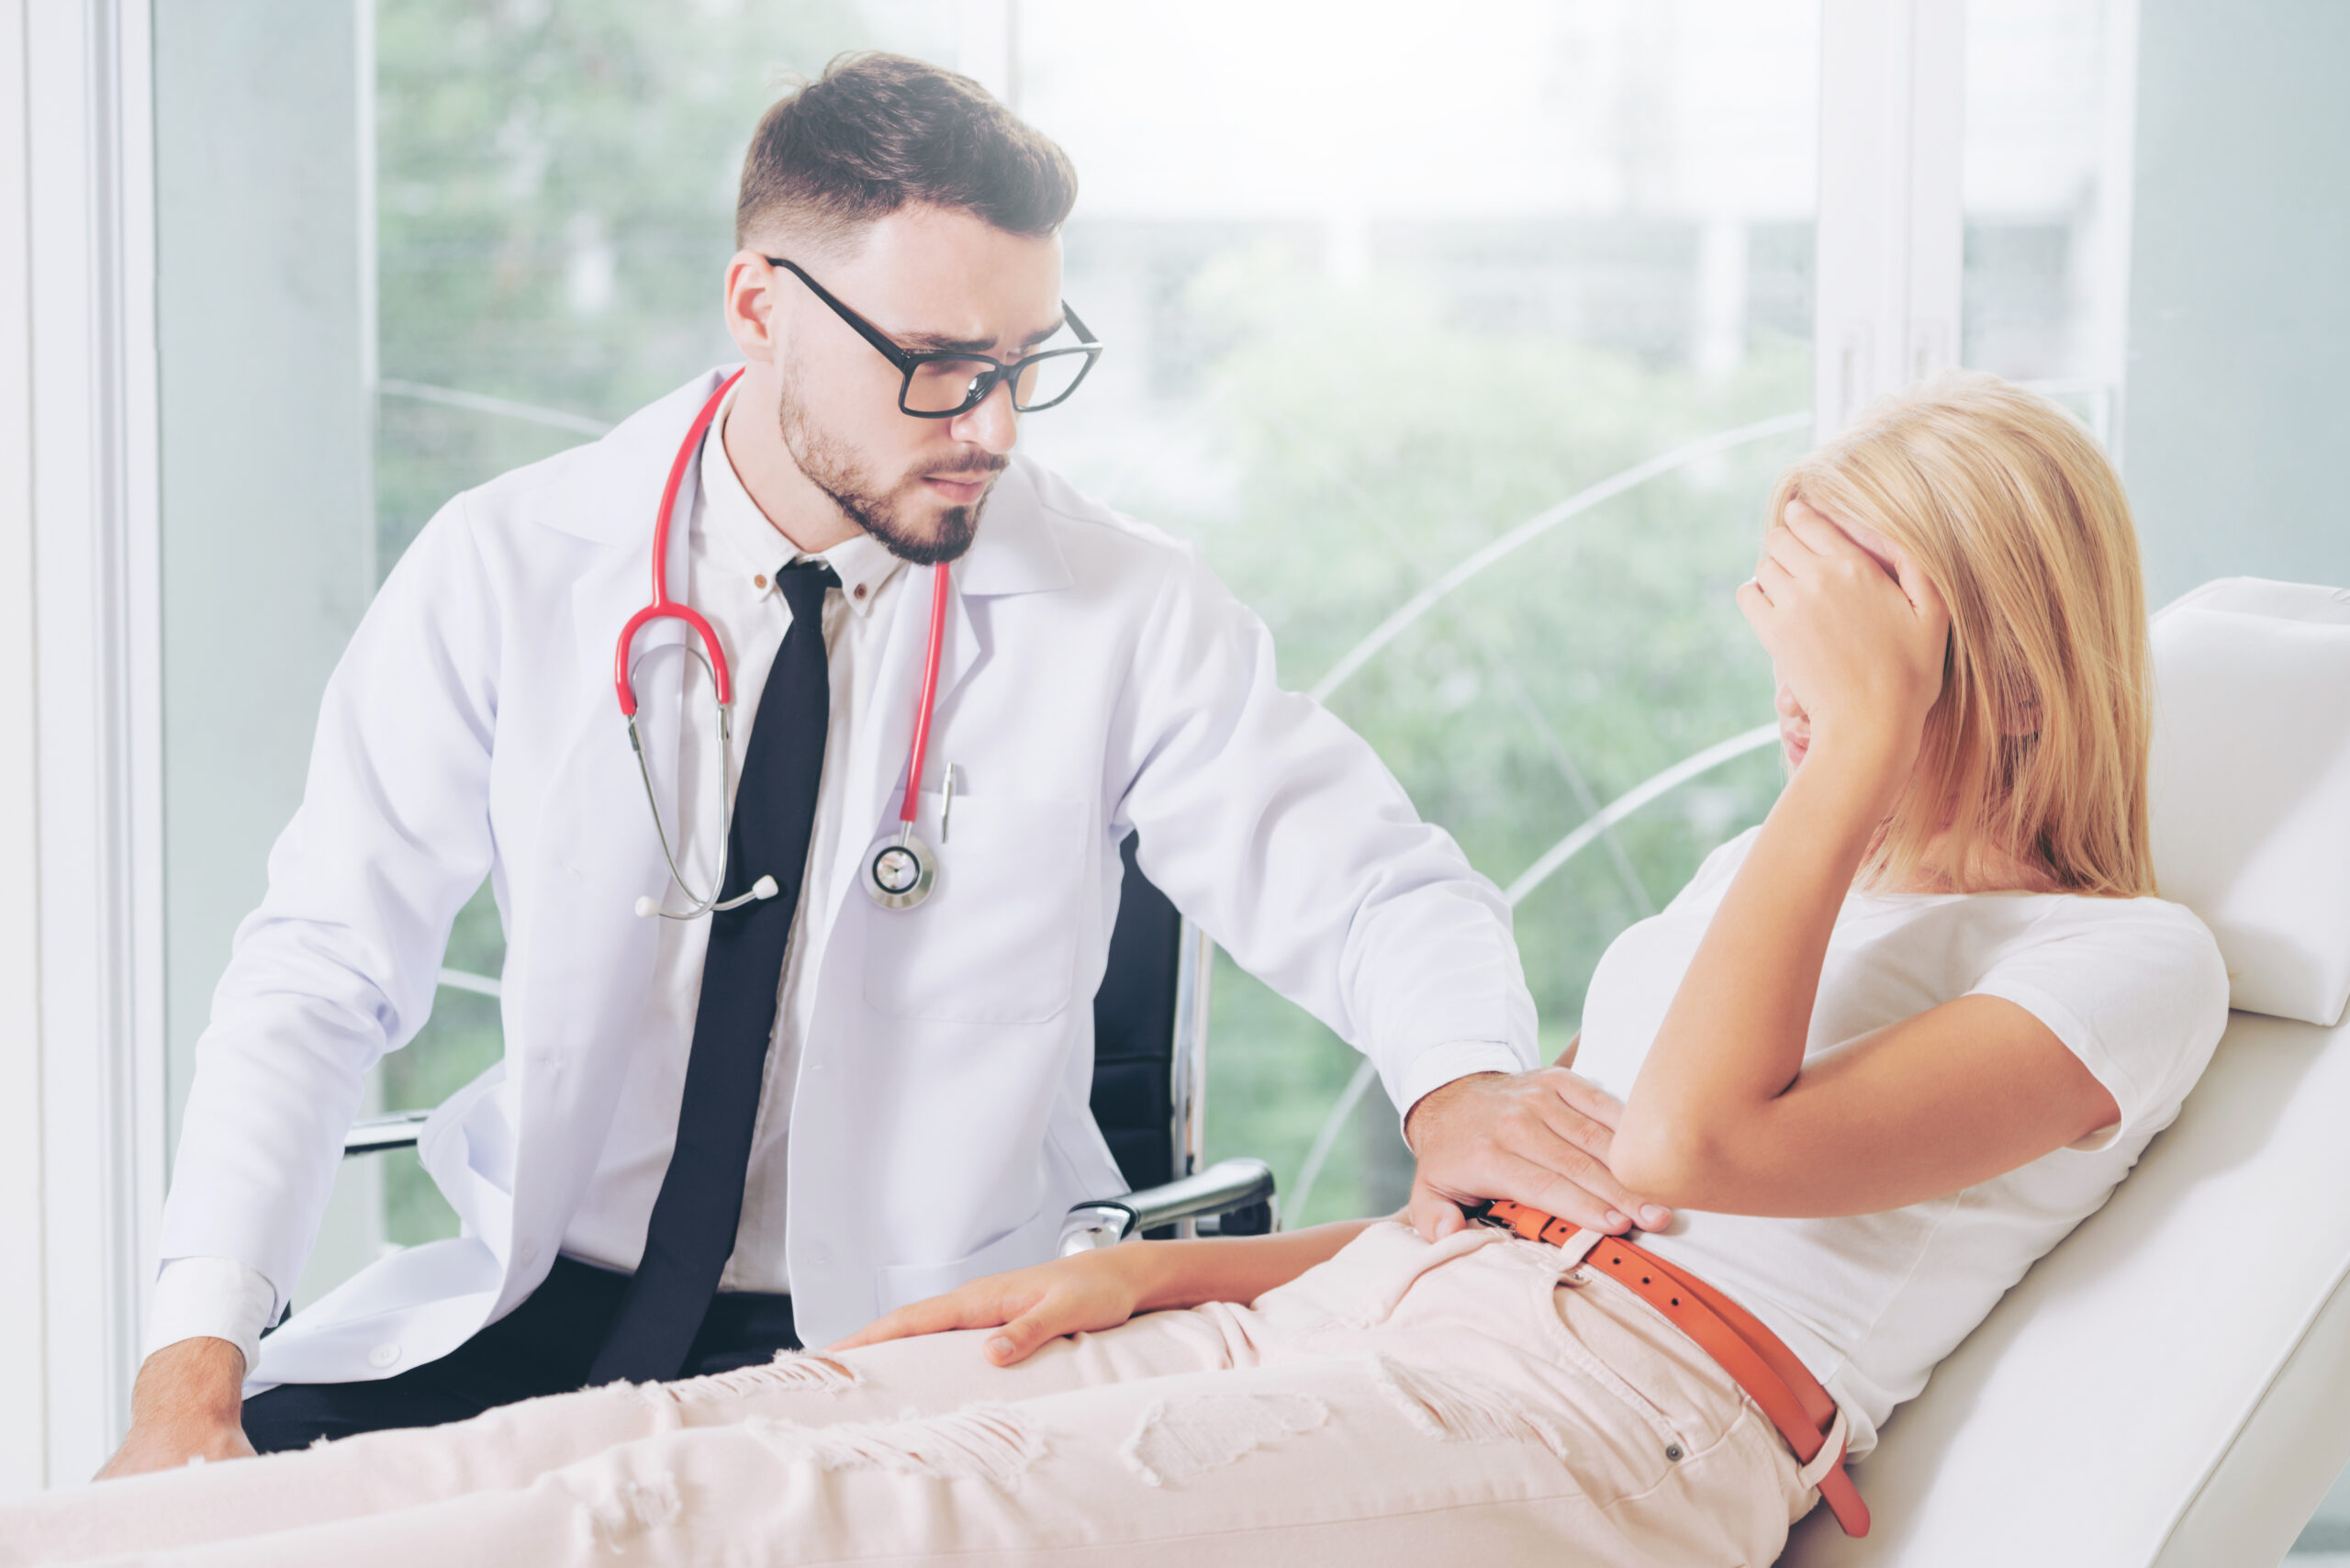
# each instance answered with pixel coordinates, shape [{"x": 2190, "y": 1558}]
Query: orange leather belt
[{"x": 1753, "y": 1356}]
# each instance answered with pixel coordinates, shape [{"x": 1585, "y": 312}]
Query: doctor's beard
[{"x": 883, "y": 512}]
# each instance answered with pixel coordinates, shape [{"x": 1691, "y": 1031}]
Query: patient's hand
[
  {"x": 186, "y": 1405},
  {"x": 1540, "y": 1139},
  {"x": 1069, "y": 1295}
]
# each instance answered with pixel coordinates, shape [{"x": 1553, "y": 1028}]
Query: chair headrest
[{"x": 2249, "y": 785}]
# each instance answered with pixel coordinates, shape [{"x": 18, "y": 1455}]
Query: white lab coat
[{"x": 1096, "y": 678}]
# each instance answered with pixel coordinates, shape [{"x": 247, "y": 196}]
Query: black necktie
[{"x": 694, "y": 1219}]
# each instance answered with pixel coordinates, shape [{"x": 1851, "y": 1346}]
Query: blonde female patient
[{"x": 1880, "y": 1054}]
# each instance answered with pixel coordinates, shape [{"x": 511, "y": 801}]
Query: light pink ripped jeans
[{"x": 1402, "y": 1404}]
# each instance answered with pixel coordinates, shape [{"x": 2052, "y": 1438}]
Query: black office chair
[{"x": 1150, "y": 1035}]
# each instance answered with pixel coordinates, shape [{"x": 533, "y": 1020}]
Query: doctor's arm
[
  {"x": 1278, "y": 829},
  {"x": 336, "y": 966}
]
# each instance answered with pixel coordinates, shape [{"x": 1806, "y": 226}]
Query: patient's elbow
[{"x": 1666, "y": 1162}]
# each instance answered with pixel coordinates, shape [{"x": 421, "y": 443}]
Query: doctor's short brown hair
[{"x": 877, "y": 132}]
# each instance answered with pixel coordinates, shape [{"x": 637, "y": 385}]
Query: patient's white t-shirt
[{"x": 2133, "y": 986}]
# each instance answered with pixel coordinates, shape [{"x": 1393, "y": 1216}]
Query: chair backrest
[
  {"x": 1135, "y": 1058},
  {"x": 2172, "y": 1385}
]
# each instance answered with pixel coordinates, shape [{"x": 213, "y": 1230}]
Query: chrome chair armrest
[
  {"x": 378, "y": 1134},
  {"x": 1226, "y": 1187}
]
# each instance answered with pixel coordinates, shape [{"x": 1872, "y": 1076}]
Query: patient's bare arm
[
  {"x": 187, "y": 1405},
  {"x": 1730, "y": 1113},
  {"x": 1093, "y": 1290}
]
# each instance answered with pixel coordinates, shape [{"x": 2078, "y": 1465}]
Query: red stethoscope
[{"x": 897, "y": 875}]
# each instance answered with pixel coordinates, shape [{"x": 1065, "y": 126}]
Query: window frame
[{"x": 83, "y": 1102}]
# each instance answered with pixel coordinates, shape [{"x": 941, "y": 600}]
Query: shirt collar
[
  {"x": 864, "y": 564},
  {"x": 753, "y": 547}
]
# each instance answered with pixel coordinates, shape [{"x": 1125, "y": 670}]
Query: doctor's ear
[{"x": 751, "y": 306}]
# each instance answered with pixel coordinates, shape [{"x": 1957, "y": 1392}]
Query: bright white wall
[
  {"x": 2237, "y": 424},
  {"x": 22, "y": 1382},
  {"x": 79, "y": 863}
]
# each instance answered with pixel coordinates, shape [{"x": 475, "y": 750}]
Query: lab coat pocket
[
  {"x": 996, "y": 940},
  {"x": 1031, "y": 1241}
]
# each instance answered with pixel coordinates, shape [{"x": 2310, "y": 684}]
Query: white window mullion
[
  {"x": 24, "y": 1448},
  {"x": 95, "y": 710},
  {"x": 1891, "y": 238},
  {"x": 987, "y": 46},
  {"x": 2104, "y": 272}
]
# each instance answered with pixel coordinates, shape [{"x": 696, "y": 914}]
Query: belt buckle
[
  {"x": 1482, "y": 1212},
  {"x": 1527, "y": 1225}
]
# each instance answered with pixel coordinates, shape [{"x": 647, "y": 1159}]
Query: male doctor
[{"x": 715, "y": 1138}]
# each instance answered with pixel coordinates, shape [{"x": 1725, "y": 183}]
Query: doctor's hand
[
  {"x": 1089, "y": 1292},
  {"x": 187, "y": 1405},
  {"x": 1539, "y": 1138}
]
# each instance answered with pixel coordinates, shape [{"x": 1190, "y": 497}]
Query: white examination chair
[{"x": 2171, "y": 1386}]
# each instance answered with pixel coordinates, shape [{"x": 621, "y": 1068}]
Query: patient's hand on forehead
[
  {"x": 1860, "y": 534},
  {"x": 1795, "y": 721},
  {"x": 1856, "y": 631}
]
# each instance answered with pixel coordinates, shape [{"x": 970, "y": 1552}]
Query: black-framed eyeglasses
[{"x": 943, "y": 382}]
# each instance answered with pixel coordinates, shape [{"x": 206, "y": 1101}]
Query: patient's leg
[
  {"x": 1352, "y": 1459},
  {"x": 1402, "y": 1404},
  {"x": 513, "y": 1446}
]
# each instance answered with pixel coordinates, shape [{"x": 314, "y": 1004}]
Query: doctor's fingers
[
  {"x": 1433, "y": 1213},
  {"x": 1594, "y": 1137},
  {"x": 1581, "y": 1095},
  {"x": 1568, "y": 1159},
  {"x": 1586, "y": 1116},
  {"x": 1527, "y": 1163},
  {"x": 1597, "y": 1140},
  {"x": 1551, "y": 1108},
  {"x": 1591, "y": 1198}
]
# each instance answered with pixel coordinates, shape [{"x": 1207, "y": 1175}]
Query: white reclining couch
[{"x": 2171, "y": 1386}]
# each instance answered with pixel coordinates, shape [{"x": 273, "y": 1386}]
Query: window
[{"x": 2046, "y": 188}]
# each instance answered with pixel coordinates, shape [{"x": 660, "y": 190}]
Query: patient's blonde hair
[{"x": 2037, "y": 747}]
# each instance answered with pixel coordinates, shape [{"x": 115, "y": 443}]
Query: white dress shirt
[{"x": 734, "y": 553}]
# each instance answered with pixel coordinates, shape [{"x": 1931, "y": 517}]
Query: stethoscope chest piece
[{"x": 899, "y": 872}]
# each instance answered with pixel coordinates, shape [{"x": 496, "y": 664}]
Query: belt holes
[
  {"x": 1645, "y": 1279},
  {"x": 1676, "y": 1301}
]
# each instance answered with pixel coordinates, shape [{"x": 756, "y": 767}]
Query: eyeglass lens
[{"x": 946, "y": 385}]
